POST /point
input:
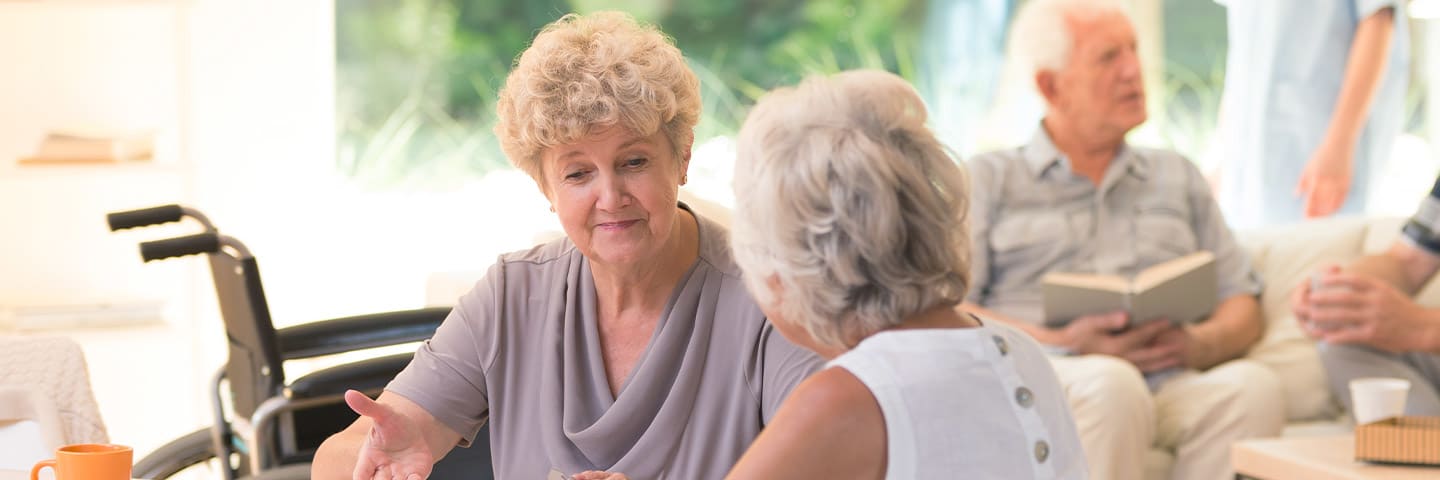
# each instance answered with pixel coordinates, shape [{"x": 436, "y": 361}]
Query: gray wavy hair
[{"x": 844, "y": 197}]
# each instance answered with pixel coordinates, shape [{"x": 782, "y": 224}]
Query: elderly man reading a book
[{"x": 1077, "y": 199}]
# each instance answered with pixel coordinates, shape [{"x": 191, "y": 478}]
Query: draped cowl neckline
[{"x": 585, "y": 427}]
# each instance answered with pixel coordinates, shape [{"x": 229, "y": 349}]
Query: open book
[{"x": 1180, "y": 290}]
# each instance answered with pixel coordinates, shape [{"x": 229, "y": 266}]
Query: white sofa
[{"x": 1284, "y": 256}]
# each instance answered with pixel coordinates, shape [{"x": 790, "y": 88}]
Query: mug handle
[{"x": 35, "y": 471}]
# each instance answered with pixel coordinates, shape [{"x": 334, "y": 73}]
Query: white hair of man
[
  {"x": 847, "y": 201},
  {"x": 1040, "y": 36}
]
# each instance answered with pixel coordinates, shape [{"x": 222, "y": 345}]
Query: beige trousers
[{"x": 1195, "y": 415}]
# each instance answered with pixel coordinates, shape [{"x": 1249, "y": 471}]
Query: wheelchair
[{"x": 265, "y": 426}]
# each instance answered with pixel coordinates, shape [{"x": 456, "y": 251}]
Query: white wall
[
  {"x": 260, "y": 127},
  {"x": 109, "y": 66},
  {"x": 263, "y": 128},
  {"x": 242, "y": 94}
]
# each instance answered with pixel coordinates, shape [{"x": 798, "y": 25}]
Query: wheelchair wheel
[{"x": 190, "y": 456}]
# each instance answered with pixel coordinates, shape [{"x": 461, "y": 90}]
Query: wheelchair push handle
[
  {"x": 199, "y": 243},
  {"x": 144, "y": 217}
]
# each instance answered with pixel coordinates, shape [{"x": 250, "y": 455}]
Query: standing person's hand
[
  {"x": 394, "y": 449},
  {"x": 1325, "y": 182},
  {"x": 1214, "y": 179}
]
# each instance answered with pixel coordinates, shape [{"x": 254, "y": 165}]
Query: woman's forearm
[{"x": 337, "y": 455}]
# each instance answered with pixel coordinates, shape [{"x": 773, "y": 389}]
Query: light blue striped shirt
[
  {"x": 1283, "y": 76},
  {"x": 1032, "y": 214},
  {"x": 1423, "y": 229}
]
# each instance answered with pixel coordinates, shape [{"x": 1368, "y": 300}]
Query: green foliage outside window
[{"x": 417, "y": 79}]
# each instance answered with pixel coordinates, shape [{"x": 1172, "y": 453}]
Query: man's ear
[{"x": 1045, "y": 83}]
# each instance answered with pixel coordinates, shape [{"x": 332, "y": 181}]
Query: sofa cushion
[
  {"x": 1380, "y": 233},
  {"x": 1283, "y": 256}
]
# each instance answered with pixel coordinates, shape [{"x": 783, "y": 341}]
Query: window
[{"x": 417, "y": 79}]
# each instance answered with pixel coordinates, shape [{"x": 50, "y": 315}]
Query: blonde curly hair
[{"x": 586, "y": 72}]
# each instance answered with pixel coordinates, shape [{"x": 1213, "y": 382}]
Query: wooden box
[{"x": 1405, "y": 440}]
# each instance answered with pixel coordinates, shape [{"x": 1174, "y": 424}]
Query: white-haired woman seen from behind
[{"x": 850, "y": 230}]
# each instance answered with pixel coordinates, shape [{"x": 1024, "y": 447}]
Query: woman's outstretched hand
[{"x": 395, "y": 449}]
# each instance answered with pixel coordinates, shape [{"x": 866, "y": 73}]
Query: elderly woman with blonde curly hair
[
  {"x": 630, "y": 345},
  {"x": 850, "y": 230}
]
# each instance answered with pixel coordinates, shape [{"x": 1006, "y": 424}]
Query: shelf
[
  {"x": 98, "y": 3},
  {"x": 43, "y": 171}
]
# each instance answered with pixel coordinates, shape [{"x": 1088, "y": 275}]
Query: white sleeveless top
[{"x": 975, "y": 403}]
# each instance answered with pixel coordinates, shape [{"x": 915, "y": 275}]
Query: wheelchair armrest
[
  {"x": 355, "y": 333},
  {"x": 367, "y": 375},
  {"x": 288, "y": 472}
]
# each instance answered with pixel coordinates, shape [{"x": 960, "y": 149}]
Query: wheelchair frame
[{"x": 260, "y": 437}]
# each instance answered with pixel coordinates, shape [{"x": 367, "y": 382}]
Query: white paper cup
[{"x": 1378, "y": 398}]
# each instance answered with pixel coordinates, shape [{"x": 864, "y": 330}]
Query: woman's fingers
[
  {"x": 386, "y": 428},
  {"x": 363, "y": 405},
  {"x": 364, "y": 470},
  {"x": 387, "y": 472}
]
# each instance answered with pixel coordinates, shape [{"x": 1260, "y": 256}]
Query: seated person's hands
[
  {"x": 1152, "y": 346},
  {"x": 1341, "y": 307},
  {"x": 1301, "y": 307},
  {"x": 394, "y": 449},
  {"x": 1168, "y": 349}
]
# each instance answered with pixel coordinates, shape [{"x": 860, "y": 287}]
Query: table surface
[{"x": 1315, "y": 458}]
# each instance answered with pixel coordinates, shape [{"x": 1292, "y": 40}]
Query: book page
[
  {"x": 1185, "y": 290},
  {"x": 1165, "y": 271},
  {"x": 1087, "y": 280},
  {"x": 1070, "y": 295}
]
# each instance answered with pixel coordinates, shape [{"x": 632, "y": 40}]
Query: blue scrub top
[{"x": 1283, "y": 75}]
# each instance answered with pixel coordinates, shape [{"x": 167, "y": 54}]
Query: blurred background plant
[{"x": 416, "y": 80}]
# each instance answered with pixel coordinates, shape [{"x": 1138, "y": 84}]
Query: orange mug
[{"x": 88, "y": 461}]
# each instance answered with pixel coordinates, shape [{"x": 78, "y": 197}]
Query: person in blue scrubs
[{"x": 1314, "y": 97}]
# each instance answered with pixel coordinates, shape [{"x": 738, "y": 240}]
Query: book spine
[{"x": 1128, "y": 301}]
